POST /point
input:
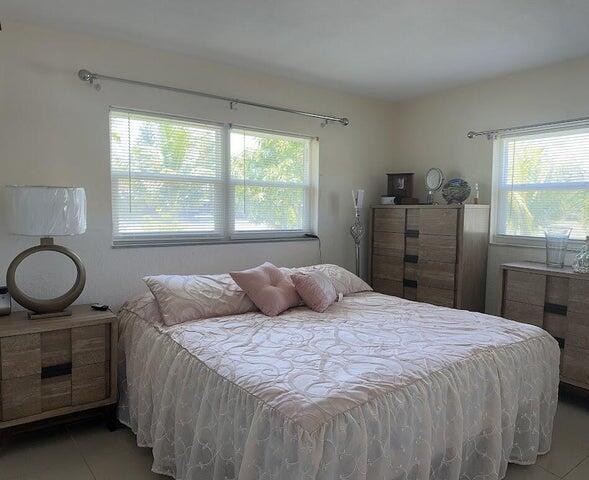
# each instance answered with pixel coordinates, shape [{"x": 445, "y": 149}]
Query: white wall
[
  {"x": 54, "y": 130},
  {"x": 432, "y": 133}
]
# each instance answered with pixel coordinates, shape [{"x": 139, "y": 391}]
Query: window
[
  {"x": 177, "y": 180},
  {"x": 541, "y": 178}
]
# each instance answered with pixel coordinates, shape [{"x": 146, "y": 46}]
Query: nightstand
[{"x": 57, "y": 366}]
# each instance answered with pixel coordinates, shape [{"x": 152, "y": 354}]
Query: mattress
[{"x": 377, "y": 387}]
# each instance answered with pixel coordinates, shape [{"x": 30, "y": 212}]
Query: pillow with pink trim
[
  {"x": 316, "y": 290},
  {"x": 271, "y": 290}
]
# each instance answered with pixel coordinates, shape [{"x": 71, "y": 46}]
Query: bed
[{"x": 377, "y": 387}]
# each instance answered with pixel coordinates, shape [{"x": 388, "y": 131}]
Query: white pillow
[
  {"x": 344, "y": 281},
  {"x": 182, "y": 298}
]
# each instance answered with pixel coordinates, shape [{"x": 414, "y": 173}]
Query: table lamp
[{"x": 45, "y": 212}]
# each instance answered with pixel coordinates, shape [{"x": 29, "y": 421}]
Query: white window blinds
[
  {"x": 175, "y": 179},
  {"x": 270, "y": 182},
  {"x": 543, "y": 180}
]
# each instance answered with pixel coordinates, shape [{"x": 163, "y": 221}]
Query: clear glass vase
[
  {"x": 581, "y": 262},
  {"x": 556, "y": 245}
]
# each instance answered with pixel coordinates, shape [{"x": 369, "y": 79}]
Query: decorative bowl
[{"x": 456, "y": 190}]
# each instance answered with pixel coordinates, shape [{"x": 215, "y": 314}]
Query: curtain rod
[
  {"x": 492, "y": 134},
  {"x": 92, "y": 77}
]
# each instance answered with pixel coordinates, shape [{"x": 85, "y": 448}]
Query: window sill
[
  {"x": 193, "y": 242},
  {"x": 535, "y": 243}
]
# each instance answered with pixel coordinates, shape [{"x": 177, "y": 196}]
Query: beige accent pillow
[
  {"x": 270, "y": 289},
  {"x": 316, "y": 290},
  {"x": 344, "y": 281},
  {"x": 182, "y": 298}
]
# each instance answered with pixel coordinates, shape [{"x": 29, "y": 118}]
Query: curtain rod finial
[
  {"x": 471, "y": 134},
  {"x": 345, "y": 121},
  {"x": 85, "y": 75}
]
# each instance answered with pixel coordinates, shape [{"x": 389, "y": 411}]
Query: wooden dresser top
[{"x": 542, "y": 268}]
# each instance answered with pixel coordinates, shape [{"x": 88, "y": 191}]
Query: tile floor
[{"x": 88, "y": 451}]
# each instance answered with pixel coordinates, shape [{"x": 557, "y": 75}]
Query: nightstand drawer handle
[{"x": 56, "y": 370}]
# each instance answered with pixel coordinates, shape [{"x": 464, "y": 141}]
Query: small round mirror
[{"x": 434, "y": 179}]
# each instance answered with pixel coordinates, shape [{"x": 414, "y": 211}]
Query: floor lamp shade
[{"x": 46, "y": 212}]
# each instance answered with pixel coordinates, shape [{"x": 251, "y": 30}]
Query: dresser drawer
[
  {"x": 412, "y": 246},
  {"x": 435, "y": 296},
  {"x": 524, "y": 313},
  {"x": 412, "y": 219},
  {"x": 90, "y": 345},
  {"x": 390, "y": 268},
  {"x": 436, "y": 274},
  {"x": 579, "y": 295},
  {"x": 437, "y": 248},
  {"x": 391, "y": 244},
  {"x": 21, "y": 397},
  {"x": 576, "y": 365},
  {"x": 525, "y": 287},
  {"x": 438, "y": 221},
  {"x": 389, "y": 220},
  {"x": 20, "y": 356},
  {"x": 388, "y": 287}
]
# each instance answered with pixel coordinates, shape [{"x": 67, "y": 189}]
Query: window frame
[
  {"x": 528, "y": 241},
  {"x": 227, "y": 234}
]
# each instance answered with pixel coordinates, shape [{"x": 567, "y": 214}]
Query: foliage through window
[
  {"x": 542, "y": 179},
  {"x": 175, "y": 179}
]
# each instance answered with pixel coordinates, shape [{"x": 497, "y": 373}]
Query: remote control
[{"x": 100, "y": 306}]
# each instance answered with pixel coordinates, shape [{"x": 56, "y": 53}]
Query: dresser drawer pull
[
  {"x": 411, "y": 258},
  {"x": 412, "y": 233},
  {"x": 555, "y": 308},
  {"x": 56, "y": 370},
  {"x": 409, "y": 283},
  {"x": 560, "y": 341}
]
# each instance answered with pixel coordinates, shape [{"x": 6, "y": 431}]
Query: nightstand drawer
[
  {"x": 525, "y": 287},
  {"x": 56, "y": 392},
  {"x": 576, "y": 367},
  {"x": 524, "y": 313},
  {"x": 21, "y": 397},
  {"x": 20, "y": 356},
  {"x": 56, "y": 348},
  {"x": 90, "y": 383},
  {"x": 90, "y": 345}
]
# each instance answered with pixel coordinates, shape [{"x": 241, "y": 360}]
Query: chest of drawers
[
  {"x": 556, "y": 300},
  {"x": 431, "y": 253}
]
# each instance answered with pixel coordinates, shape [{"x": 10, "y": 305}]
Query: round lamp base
[{"x": 52, "y": 306}]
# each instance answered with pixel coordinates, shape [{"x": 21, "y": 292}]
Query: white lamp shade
[{"x": 45, "y": 211}]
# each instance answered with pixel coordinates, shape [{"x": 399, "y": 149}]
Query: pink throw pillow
[
  {"x": 270, "y": 289},
  {"x": 316, "y": 290}
]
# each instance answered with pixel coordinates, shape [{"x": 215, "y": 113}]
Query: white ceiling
[{"x": 383, "y": 48}]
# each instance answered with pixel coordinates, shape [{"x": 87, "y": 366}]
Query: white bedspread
[{"x": 375, "y": 388}]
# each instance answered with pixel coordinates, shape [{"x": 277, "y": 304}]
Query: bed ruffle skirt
[{"x": 462, "y": 422}]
